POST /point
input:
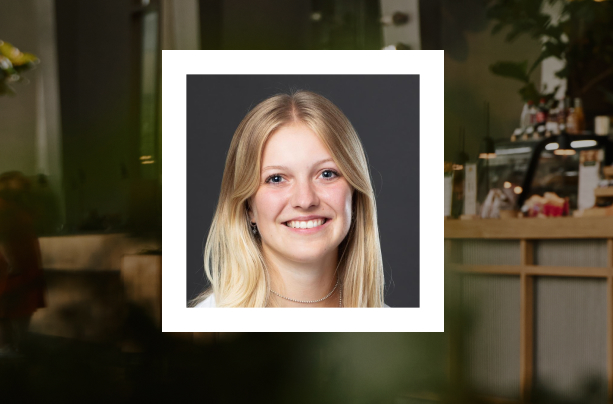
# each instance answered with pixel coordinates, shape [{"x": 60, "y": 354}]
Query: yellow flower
[{"x": 16, "y": 57}]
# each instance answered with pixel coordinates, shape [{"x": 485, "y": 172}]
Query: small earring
[{"x": 254, "y": 228}]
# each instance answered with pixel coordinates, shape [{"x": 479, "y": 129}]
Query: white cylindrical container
[{"x": 602, "y": 125}]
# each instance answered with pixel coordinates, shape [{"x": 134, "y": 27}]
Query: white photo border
[{"x": 176, "y": 317}]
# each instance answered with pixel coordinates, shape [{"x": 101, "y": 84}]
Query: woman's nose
[{"x": 304, "y": 195}]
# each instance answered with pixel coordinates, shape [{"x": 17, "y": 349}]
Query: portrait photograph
[
  {"x": 318, "y": 175},
  {"x": 302, "y": 191}
]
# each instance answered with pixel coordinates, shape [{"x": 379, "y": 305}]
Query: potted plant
[{"x": 581, "y": 37}]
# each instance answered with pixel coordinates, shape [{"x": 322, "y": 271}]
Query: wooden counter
[
  {"x": 535, "y": 250},
  {"x": 530, "y": 229}
]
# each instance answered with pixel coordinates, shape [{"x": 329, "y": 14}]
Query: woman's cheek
[
  {"x": 271, "y": 202},
  {"x": 340, "y": 197}
]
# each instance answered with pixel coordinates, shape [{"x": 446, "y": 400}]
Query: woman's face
[{"x": 303, "y": 205}]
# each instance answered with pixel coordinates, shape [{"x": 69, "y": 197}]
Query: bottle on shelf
[
  {"x": 602, "y": 125},
  {"x": 575, "y": 121},
  {"x": 562, "y": 112},
  {"x": 540, "y": 132},
  {"x": 542, "y": 112},
  {"x": 516, "y": 134},
  {"x": 528, "y": 133},
  {"x": 579, "y": 115},
  {"x": 551, "y": 127},
  {"x": 524, "y": 120},
  {"x": 532, "y": 111}
]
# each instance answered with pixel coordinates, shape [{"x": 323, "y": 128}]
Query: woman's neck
[{"x": 303, "y": 281}]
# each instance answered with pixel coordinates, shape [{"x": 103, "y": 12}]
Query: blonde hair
[{"x": 233, "y": 259}]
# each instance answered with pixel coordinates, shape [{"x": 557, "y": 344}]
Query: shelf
[
  {"x": 533, "y": 228},
  {"x": 603, "y": 192},
  {"x": 533, "y": 270}
]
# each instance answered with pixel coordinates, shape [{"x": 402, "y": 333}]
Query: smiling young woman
[{"x": 296, "y": 222}]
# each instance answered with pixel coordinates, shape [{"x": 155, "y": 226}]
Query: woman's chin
[
  {"x": 307, "y": 255},
  {"x": 316, "y": 253}
]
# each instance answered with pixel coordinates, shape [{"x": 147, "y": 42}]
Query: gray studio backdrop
[{"x": 384, "y": 110}]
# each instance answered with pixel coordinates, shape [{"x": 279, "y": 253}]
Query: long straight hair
[{"x": 233, "y": 260}]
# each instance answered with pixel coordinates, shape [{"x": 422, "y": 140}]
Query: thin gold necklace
[{"x": 340, "y": 300}]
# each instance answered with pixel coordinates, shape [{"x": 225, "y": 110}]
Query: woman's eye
[
  {"x": 275, "y": 179},
  {"x": 329, "y": 174}
]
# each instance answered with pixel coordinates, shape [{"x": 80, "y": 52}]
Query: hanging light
[
  {"x": 577, "y": 144},
  {"x": 564, "y": 144}
]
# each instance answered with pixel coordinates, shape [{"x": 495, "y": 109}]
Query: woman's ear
[{"x": 250, "y": 211}]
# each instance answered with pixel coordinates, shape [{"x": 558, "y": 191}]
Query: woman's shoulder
[{"x": 208, "y": 302}]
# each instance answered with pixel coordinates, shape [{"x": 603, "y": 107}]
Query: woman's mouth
[{"x": 306, "y": 224}]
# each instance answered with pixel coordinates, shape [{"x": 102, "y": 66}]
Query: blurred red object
[{"x": 549, "y": 205}]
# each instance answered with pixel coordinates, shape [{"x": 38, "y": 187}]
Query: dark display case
[{"x": 530, "y": 167}]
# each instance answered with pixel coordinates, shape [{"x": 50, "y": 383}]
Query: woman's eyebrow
[{"x": 285, "y": 168}]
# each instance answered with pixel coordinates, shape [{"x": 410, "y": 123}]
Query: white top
[{"x": 210, "y": 302}]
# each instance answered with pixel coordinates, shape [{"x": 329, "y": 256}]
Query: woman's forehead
[{"x": 294, "y": 144}]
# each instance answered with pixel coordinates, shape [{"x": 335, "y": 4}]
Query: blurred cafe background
[
  {"x": 529, "y": 198},
  {"x": 528, "y": 228}
]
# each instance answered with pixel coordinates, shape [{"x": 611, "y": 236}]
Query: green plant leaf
[
  {"x": 550, "y": 49},
  {"x": 562, "y": 73},
  {"x": 514, "y": 70},
  {"x": 548, "y": 97},
  {"x": 496, "y": 29},
  {"x": 530, "y": 93},
  {"x": 555, "y": 31},
  {"x": 581, "y": 37}
]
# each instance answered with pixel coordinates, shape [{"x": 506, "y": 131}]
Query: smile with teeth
[{"x": 309, "y": 224}]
